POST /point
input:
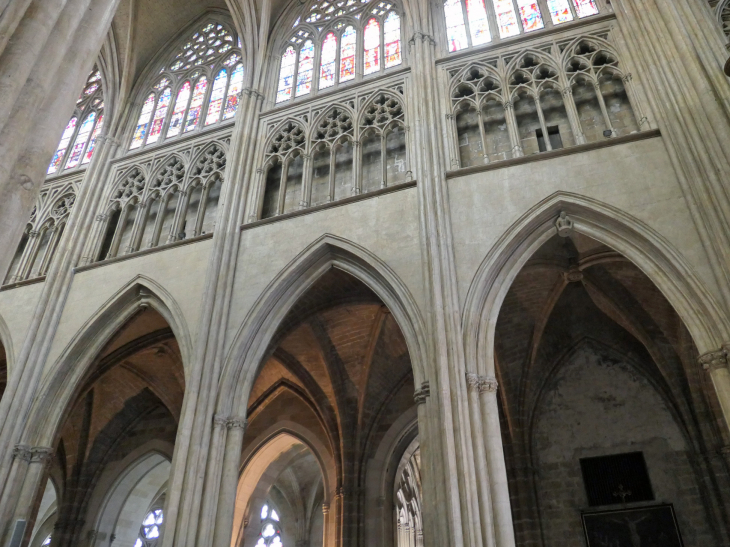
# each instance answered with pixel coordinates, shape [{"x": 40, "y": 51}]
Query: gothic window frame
[
  {"x": 358, "y": 18},
  {"x": 173, "y": 68},
  {"x": 495, "y": 35},
  {"x": 271, "y": 518},
  {"x": 90, "y": 102},
  {"x": 722, "y": 12},
  {"x": 143, "y": 539}
]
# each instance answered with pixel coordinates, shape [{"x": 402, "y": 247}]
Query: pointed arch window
[
  {"x": 199, "y": 86},
  {"x": 327, "y": 64},
  {"x": 270, "y": 534},
  {"x": 468, "y": 22},
  {"x": 83, "y": 130},
  {"x": 151, "y": 529},
  {"x": 339, "y": 42}
]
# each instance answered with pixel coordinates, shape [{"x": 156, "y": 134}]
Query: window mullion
[
  {"x": 518, "y": 16},
  {"x": 381, "y": 53},
  {"x": 296, "y": 72},
  {"x": 492, "y": 19},
  {"x": 206, "y": 99},
  {"x": 170, "y": 110},
  {"x": 467, "y": 27},
  {"x": 150, "y": 120},
  {"x": 547, "y": 21},
  {"x": 316, "y": 64}
]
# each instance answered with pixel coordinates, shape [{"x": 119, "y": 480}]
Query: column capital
[
  {"x": 488, "y": 384},
  {"x": 219, "y": 421},
  {"x": 33, "y": 454},
  {"x": 325, "y": 508},
  {"x": 627, "y": 77},
  {"x": 472, "y": 381},
  {"x": 714, "y": 360},
  {"x": 420, "y": 394},
  {"x": 567, "y": 92},
  {"x": 236, "y": 422}
]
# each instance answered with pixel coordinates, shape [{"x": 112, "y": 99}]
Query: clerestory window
[
  {"x": 83, "y": 130},
  {"x": 199, "y": 87},
  {"x": 151, "y": 529},
  {"x": 339, "y": 41},
  {"x": 468, "y": 21},
  {"x": 270, "y": 534}
]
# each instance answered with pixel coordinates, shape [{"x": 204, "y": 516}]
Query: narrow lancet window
[
  {"x": 81, "y": 139},
  {"x": 216, "y": 97},
  {"x": 306, "y": 66},
  {"x": 196, "y": 104},
  {"x": 94, "y": 136},
  {"x": 347, "y": 54},
  {"x": 327, "y": 62},
  {"x": 455, "y": 28},
  {"x": 585, "y": 8},
  {"x": 559, "y": 11},
  {"x": 160, "y": 114},
  {"x": 143, "y": 122},
  {"x": 178, "y": 114},
  {"x": 286, "y": 75},
  {"x": 391, "y": 29},
  {"x": 478, "y": 22},
  {"x": 530, "y": 14},
  {"x": 506, "y": 18},
  {"x": 234, "y": 92},
  {"x": 62, "y": 146},
  {"x": 371, "y": 42}
]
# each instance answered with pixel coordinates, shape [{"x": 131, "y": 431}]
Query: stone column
[
  {"x": 159, "y": 221},
  {"x": 716, "y": 364},
  {"x": 200, "y": 218},
  {"x": 543, "y": 125},
  {"x": 235, "y": 428},
  {"x": 514, "y": 131},
  {"x": 28, "y": 256},
  {"x": 503, "y": 526},
  {"x": 307, "y": 167},
  {"x": 453, "y": 138},
  {"x": 140, "y": 222},
  {"x": 573, "y": 116}
]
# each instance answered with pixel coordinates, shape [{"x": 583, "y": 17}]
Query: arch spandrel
[
  {"x": 639, "y": 243},
  {"x": 251, "y": 341},
  {"x": 66, "y": 373}
]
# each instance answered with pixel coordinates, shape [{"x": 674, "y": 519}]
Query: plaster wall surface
[
  {"x": 637, "y": 178},
  {"x": 16, "y": 310},
  {"x": 387, "y": 226},
  {"x": 180, "y": 270}
]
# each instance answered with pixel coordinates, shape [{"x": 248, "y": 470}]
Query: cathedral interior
[{"x": 364, "y": 273}]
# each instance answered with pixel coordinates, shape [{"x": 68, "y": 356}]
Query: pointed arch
[
  {"x": 70, "y": 369},
  {"x": 639, "y": 243},
  {"x": 245, "y": 356}
]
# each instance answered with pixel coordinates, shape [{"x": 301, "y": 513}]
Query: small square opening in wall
[
  {"x": 619, "y": 478},
  {"x": 553, "y": 137}
]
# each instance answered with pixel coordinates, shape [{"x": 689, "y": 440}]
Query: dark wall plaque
[{"x": 653, "y": 526}]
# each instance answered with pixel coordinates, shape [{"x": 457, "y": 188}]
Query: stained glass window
[
  {"x": 348, "y": 47},
  {"x": 92, "y": 142},
  {"x": 178, "y": 114},
  {"x": 506, "y": 18},
  {"x": 234, "y": 92},
  {"x": 371, "y": 39},
  {"x": 196, "y": 104},
  {"x": 478, "y": 23},
  {"x": 144, "y": 120},
  {"x": 286, "y": 75},
  {"x": 391, "y": 29},
  {"x": 81, "y": 138},
  {"x": 216, "y": 97},
  {"x": 455, "y": 28},
  {"x": 584, "y": 8},
  {"x": 158, "y": 119},
  {"x": 270, "y": 534},
  {"x": 61, "y": 150},
  {"x": 328, "y": 60},
  {"x": 559, "y": 11},
  {"x": 306, "y": 66},
  {"x": 46, "y": 541},
  {"x": 151, "y": 529},
  {"x": 531, "y": 16}
]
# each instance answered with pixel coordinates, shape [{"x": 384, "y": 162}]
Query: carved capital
[
  {"x": 219, "y": 421},
  {"x": 508, "y": 105},
  {"x": 567, "y": 92},
  {"x": 627, "y": 77},
  {"x": 714, "y": 360},
  {"x": 472, "y": 381},
  {"x": 421, "y": 394},
  {"x": 21, "y": 452},
  {"x": 235, "y": 422},
  {"x": 564, "y": 224},
  {"x": 449, "y": 116},
  {"x": 33, "y": 233},
  {"x": 325, "y": 508},
  {"x": 488, "y": 384}
]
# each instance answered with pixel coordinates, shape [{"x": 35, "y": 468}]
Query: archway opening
[
  {"x": 603, "y": 405},
  {"x": 335, "y": 380},
  {"x": 115, "y": 443}
]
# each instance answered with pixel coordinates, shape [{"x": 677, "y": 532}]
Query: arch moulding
[
  {"x": 639, "y": 243},
  {"x": 67, "y": 373},
  {"x": 251, "y": 341}
]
